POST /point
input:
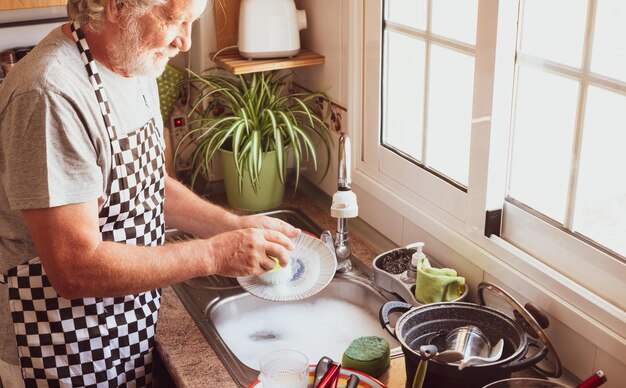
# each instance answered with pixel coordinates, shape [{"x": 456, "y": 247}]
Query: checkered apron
[{"x": 97, "y": 342}]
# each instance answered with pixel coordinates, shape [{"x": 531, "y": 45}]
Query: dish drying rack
[{"x": 403, "y": 283}]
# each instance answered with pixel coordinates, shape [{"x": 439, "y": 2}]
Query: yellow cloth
[{"x": 437, "y": 284}]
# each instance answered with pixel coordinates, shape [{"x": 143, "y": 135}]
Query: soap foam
[{"x": 323, "y": 327}]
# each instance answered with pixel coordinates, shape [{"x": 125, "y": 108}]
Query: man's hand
[
  {"x": 268, "y": 223},
  {"x": 246, "y": 251}
]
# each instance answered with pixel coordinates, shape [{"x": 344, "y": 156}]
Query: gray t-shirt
[{"x": 54, "y": 146}]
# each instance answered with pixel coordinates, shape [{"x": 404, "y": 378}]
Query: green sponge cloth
[
  {"x": 370, "y": 355},
  {"x": 437, "y": 284}
]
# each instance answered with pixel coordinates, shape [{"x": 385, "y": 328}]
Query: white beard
[
  {"x": 128, "y": 55},
  {"x": 150, "y": 63}
]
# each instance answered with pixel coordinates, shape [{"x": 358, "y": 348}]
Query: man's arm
[
  {"x": 185, "y": 211},
  {"x": 80, "y": 264}
]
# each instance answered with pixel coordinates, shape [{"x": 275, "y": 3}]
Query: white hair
[{"x": 92, "y": 12}]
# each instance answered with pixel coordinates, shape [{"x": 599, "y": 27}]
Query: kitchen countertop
[{"x": 190, "y": 359}]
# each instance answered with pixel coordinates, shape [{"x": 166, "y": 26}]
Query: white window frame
[
  {"x": 591, "y": 301},
  {"x": 529, "y": 230}
]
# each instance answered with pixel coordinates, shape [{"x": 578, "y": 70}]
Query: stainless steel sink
[{"x": 229, "y": 317}]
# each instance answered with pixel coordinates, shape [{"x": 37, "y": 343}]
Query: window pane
[
  {"x": 609, "y": 39},
  {"x": 545, "y": 113},
  {"x": 450, "y": 112},
  {"x": 411, "y": 13},
  {"x": 550, "y": 33},
  {"x": 403, "y": 94},
  {"x": 455, "y": 19},
  {"x": 600, "y": 210}
]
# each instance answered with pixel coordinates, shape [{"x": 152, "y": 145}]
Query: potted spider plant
[{"x": 255, "y": 121}]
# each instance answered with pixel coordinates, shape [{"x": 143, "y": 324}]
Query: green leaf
[{"x": 252, "y": 114}]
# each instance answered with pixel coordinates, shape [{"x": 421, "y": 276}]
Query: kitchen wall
[
  {"x": 36, "y": 24},
  {"x": 328, "y": 33}
]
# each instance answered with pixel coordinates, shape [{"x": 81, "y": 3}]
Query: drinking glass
[{"x": 284, "y": 369}]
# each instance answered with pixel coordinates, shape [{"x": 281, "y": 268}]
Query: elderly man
[{"x": 84, "y": 198}]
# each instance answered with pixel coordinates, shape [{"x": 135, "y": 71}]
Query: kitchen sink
[{"x": 241, "y": 327}]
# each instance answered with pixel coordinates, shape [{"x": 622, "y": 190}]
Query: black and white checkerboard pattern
[
  {"x": 134, "y": 208},
  {"x": 98, "y": 342},
  {"x": 91, "y": 342},
  {"x": 94, "y": 77}
]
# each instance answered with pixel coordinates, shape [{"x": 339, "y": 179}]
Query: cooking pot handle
[
  {"x": 524, "y": 363},
  {"x": 388, "y": 309}
]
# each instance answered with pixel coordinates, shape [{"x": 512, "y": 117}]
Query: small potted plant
[{"x": 254, "y": 122}]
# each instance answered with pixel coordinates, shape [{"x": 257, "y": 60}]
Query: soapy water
[{"x": 322, "y": 327}]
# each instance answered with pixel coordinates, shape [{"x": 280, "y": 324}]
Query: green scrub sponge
[{"x": 370, "y": 355}]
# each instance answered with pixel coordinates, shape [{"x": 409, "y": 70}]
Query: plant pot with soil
[{"x": 255, "y": 121}]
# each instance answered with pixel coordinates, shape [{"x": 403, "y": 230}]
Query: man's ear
[{"x": 112, "y": 9}]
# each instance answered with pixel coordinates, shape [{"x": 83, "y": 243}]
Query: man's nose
[{"x": 183, "y": 39}]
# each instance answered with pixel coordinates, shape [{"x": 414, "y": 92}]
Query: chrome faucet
[{"x": 344, "y": 206}]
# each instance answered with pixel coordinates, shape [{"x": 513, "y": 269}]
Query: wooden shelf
[
  {"x": 22, "y": 4},
  {"x": 236, "y": 64}
]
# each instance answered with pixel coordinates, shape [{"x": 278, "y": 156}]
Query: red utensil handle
[
  {"x": 595, "y": 380},
  {"x": 330, "y": 378}
]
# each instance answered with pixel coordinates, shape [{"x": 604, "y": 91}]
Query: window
[
  {"x": 423, "y": 60},
  {"x": 475, "y": 105},
  {"x": 570, "y": 111}
]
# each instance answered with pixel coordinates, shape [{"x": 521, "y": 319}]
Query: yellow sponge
[
  {"x": 370, "y": 355},
  {"x": 277, "y": 275},
  {"x": 277, "y": 265}
]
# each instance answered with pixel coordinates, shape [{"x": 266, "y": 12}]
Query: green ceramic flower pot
[{"x": 271, "y": 190}]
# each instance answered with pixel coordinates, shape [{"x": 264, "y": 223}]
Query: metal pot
[
  {"x": 419, "y": 324},
  {"x": 525, "y": 382}
]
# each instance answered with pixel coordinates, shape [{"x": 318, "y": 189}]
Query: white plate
[
  {"x": 366, "y": 381},
  {"x": 313, "y": 265}
]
